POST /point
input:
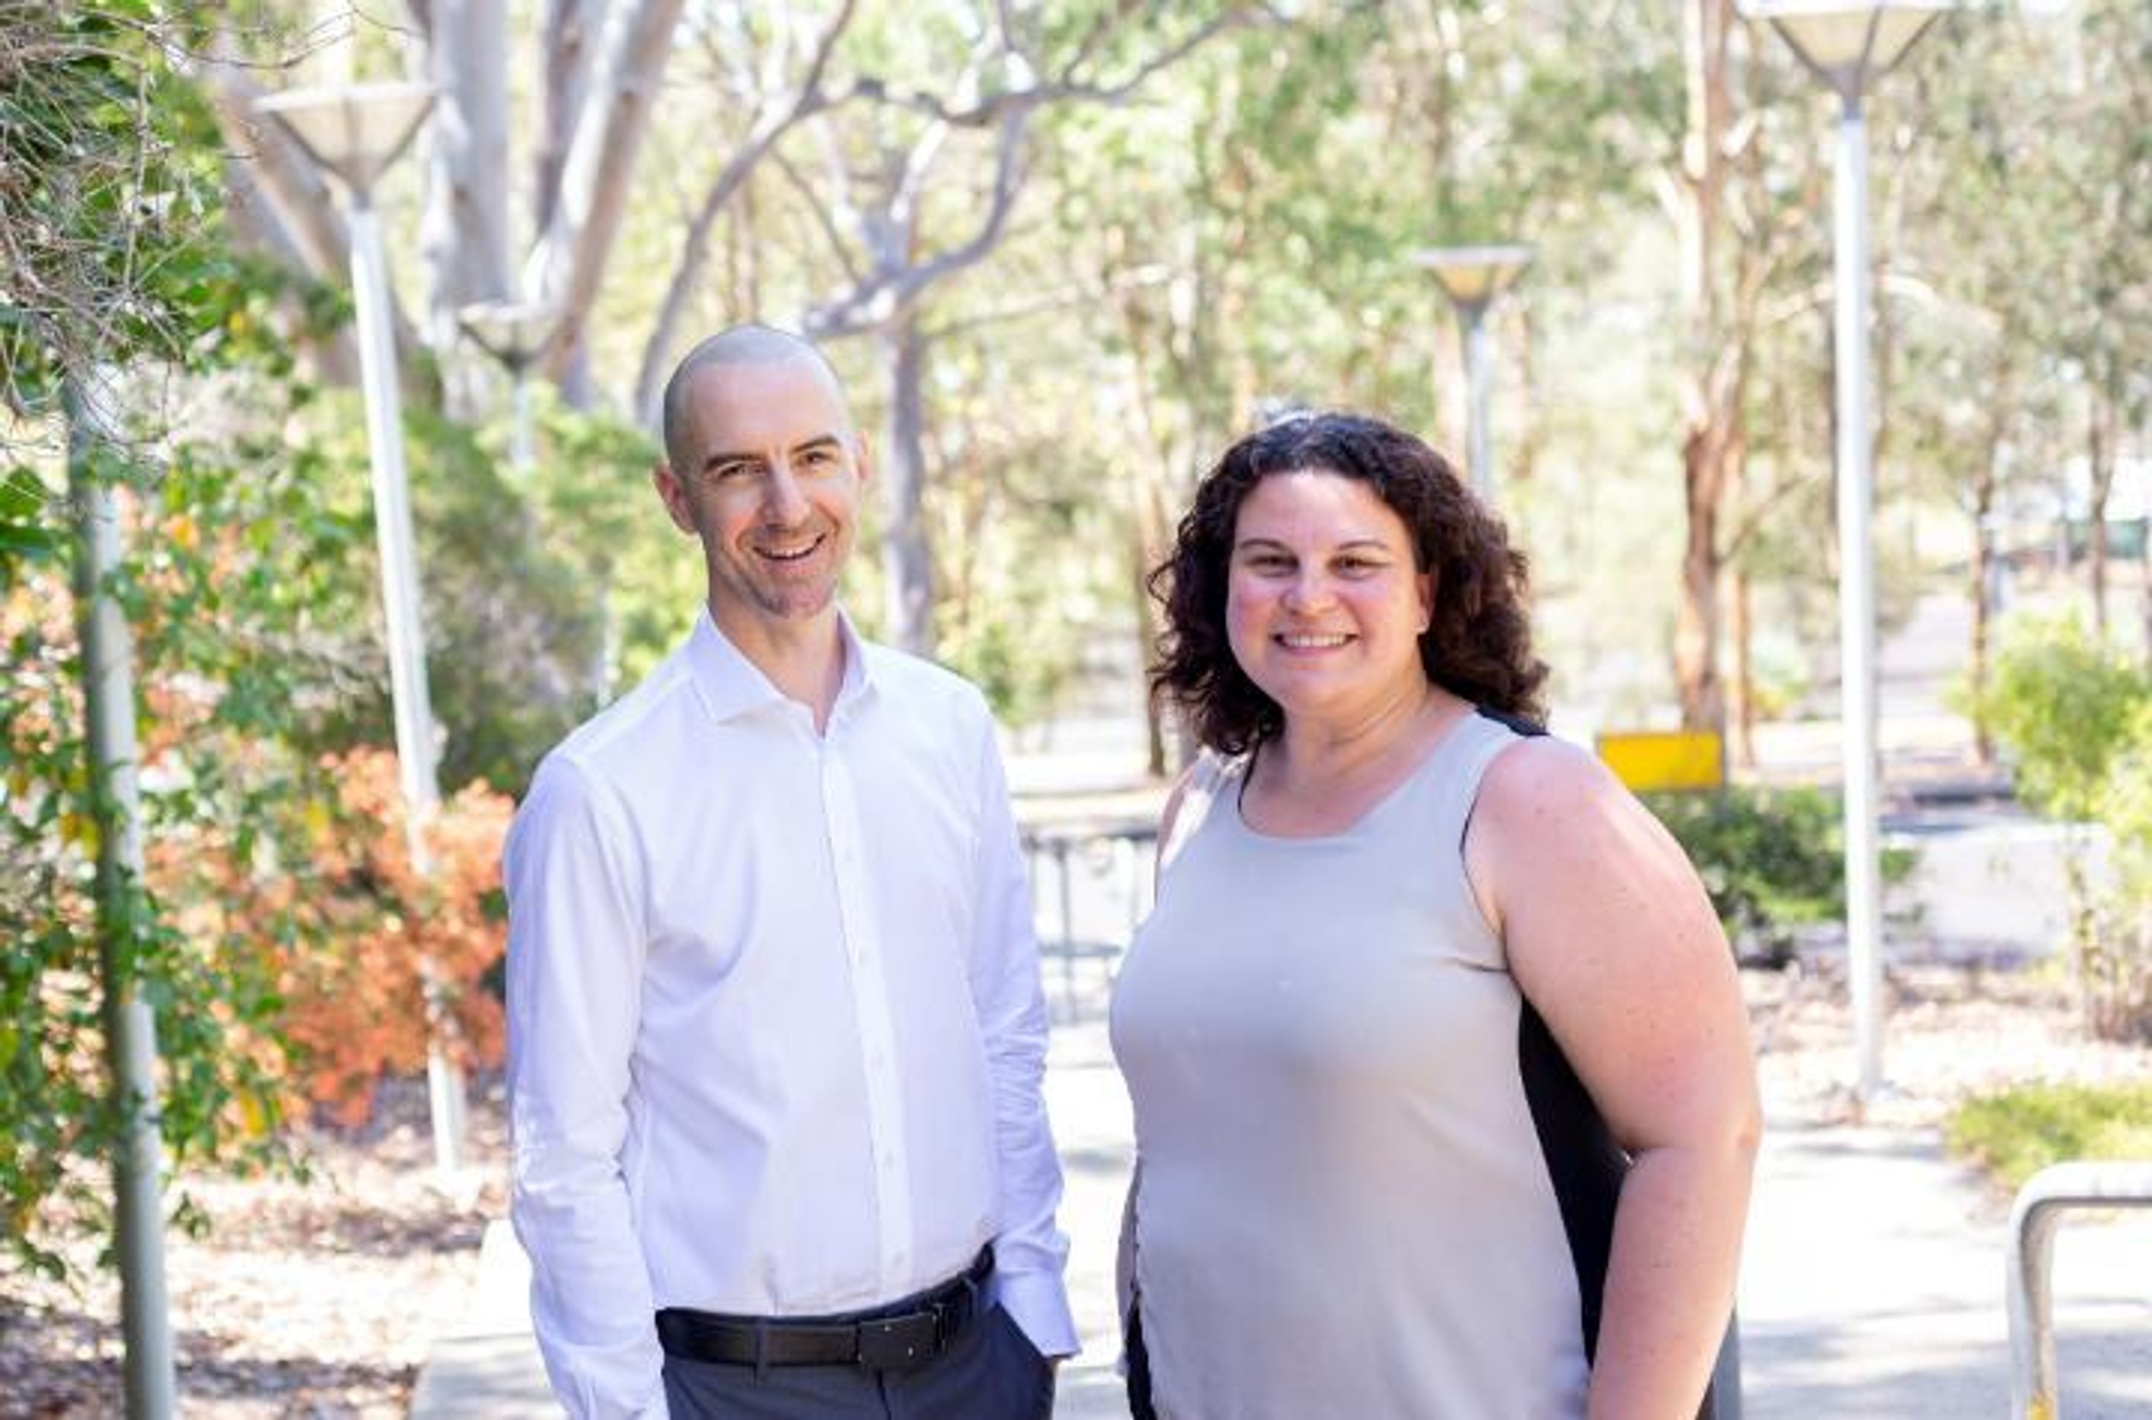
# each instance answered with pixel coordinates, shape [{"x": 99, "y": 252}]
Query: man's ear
[
  {"x": 863, "y": 457},
  {"x": 673, "y": 496}
]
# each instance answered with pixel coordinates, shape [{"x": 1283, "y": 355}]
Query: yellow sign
[{"x": 1665, "y": 759}]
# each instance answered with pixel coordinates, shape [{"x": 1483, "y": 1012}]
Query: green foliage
[
  {"x": 1773, "y": 861},
  {"x": 219, "y": 655},
  {"x": 624, "y": 561},
  {"x": 118, "y": 291},
  {"x": 2127, "y": 812},
  {"x": 513, "y": 625},
  {"x": 2019, "y": 1131},
  {"x": 2126, "y": 808},
  {"x": 109, "y": 192},
  {"x": 2074, "y": 717},
  {"x": 112, "y": 195},
  {"x": 1004, "y": 662},
  {"x": 1014, "y": 637},
  {"x": 26, "y": 535},
  {"x": 1026, "y": 546},
  {"x": 2062, "y": 702}
]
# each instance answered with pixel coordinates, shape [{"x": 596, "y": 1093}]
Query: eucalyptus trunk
[
  {"x": 1711, "y": 392},
  {"x": 569, "y": 29},
  {"x": 907, "y": 558},
  {"x": 1979, "y": 596},
  {"x": 1981, "y": 589},
  {"x": 1741, "y": 687},
  {"x": 463, "y": 232},
  {"x": 2102, "y": 431},
  {"x": 624, "y": 81},
  {"x": 1697, "y": 624}
]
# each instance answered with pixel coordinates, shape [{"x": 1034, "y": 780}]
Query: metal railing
[
  {"x": 2041, "y": 1205},
  {"x": 1091, "y": 882}
]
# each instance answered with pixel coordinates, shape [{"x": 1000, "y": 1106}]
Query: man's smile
[{"x": 791, "y": 551}]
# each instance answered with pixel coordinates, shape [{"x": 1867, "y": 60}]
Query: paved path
[{"x": 1872, "y": 1283}]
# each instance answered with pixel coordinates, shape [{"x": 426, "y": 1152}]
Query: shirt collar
[{"x": 733, "y": 686}]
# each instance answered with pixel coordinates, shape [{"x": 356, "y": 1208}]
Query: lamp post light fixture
[
  {"x": 515, "y": 333},
  {"x": 1848, "y": 46},
  {"x": 1472, "y": 277},
  {"x": 356, "y": 131}
]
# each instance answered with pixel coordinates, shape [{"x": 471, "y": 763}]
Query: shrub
[
  {"x": 2120, "y": 966},
  {"x": 2019, "y": 1131},
  {"x": 2060, "y": 701},
  {"x": 389, "y": 956},
  {"x": 1773, "y": 860},
  {"x": 2074, "y": 716}
]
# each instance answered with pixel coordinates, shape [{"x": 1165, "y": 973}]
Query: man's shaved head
[{"x": 739, "y": 345}]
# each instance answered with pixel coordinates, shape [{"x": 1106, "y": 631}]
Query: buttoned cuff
[{"x": 1039, "y": 1306}]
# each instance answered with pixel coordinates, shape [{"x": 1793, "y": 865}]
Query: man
[{"x": 775, "y": 1028}]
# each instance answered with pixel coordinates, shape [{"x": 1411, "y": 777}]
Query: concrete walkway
[{"x": 1872, "y": 1283}]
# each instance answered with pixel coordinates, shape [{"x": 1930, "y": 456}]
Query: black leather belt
[{"x": 895, "y": 1337}]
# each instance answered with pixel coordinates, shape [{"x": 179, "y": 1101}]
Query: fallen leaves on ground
[{"x": 314, "y": 1298}]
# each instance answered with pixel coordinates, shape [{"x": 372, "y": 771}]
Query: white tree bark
[
  {"x": 463, "y": 232},
  {"x": 570, "y": 39},
  {"x": 569, "y": 259}
]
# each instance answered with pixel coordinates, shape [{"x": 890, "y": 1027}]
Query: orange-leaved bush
[{"x": 400, "y": 956}]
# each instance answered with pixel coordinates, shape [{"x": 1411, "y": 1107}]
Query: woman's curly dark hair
[{"x": 1479, "y": 643}]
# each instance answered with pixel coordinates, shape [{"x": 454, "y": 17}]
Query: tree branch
[
  {"x": 808, "y": 99},
  {"x": 1067, "y": 84},
  {"x": 893, "y": 288},
  {"x": 819, "y": 211}
]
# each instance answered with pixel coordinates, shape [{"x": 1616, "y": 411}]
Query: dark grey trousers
[{"x": 991, "y": 1372}]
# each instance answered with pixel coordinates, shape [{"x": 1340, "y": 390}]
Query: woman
[{"x": 1443, "y": 1090}]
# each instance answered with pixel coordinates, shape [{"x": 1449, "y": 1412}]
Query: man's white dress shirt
[{"x": 775, "y": 1031}]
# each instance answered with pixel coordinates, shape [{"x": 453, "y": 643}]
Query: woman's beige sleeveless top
[{"x": 1370, "y": 1186}]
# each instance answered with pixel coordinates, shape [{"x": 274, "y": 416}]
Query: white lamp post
[
  {"x": 1472, "y": 277},
  {"x": 356, "y": 131},
  {"x": 1847, "y": 46},
  {"x": 515, "y": 333}
]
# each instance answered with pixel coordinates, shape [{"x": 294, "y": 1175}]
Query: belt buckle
[{"x": 898, "y": 1343}]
